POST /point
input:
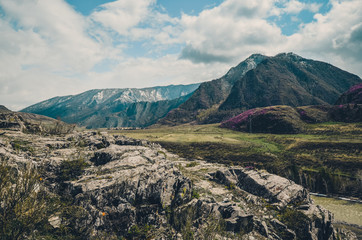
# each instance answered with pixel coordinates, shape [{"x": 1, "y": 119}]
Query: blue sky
[
  {"x": 61, "y": 47},
  {"x": 173, "y": 7}
]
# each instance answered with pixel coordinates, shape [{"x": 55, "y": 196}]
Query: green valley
[{"x": 326, "y": 158}]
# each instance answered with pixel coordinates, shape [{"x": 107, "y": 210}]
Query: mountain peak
[
  {"x": 256, "y": 56},
  {"x": 250, "y": 63},
  {"x": 289, "y": 79},
  {"x": 290, "y": 55}
]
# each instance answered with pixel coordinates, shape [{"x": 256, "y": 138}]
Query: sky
[{"x": 54, "y": 48}]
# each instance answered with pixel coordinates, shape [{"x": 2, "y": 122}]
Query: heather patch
[
  {"x": 243, "y": 118},
  {"x": 352, "y": 96},
  {"x": 276, "y": 119}
]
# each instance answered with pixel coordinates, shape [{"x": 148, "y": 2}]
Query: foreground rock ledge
[{"x": 129, "y": 184}]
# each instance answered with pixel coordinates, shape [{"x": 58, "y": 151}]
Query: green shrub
[
  {"x": 192, "y": 164},
  {"x": 297, "y": 221},
  {"x": 195, "y": 194},
  {"x": 21, "y": 145},
  {"x": 24, "y": 203},
  {"x": 71, "y": 169},
  {"x": 144, "y": 232}
]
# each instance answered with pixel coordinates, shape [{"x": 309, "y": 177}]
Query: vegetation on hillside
[
  {"x": 325, "y": 159},
  {"x": 24, "y": 203}
]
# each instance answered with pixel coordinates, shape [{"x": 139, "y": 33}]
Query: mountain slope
[
  {"x": 101, "y": 107},
  {"x": 288, "y": 79},
  {"x": 352, "y": 96},
  {"x": 137, "y": 114},
  {"x": 212, "y": 93},
  {"x": 285, "y": 79}
]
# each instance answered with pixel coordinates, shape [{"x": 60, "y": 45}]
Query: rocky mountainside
[
  {"x": 285, "y": 79},
  {"x": 137, "y": 114},
  {"x": 211, "y": 94},
  {"x": 288, "y": 79},
  {"x": 91, "y": 185},
  {"x": 103, "y": 107}
]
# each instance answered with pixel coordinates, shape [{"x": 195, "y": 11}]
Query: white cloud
[
  {"x": 231, "y": 31},
  {"x": 42, "y": 43},
  {"x": 295, "y": 7},
  {"x": 48, "y": 49},
  {"x": 147, "y": 72},
  {"x": 121, "y": 16},
  {"x": 49, "y": 35},
  {"x": 334, "y": 37}
]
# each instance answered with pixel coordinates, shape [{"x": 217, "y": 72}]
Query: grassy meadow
[{"x": 327, "y": 158}]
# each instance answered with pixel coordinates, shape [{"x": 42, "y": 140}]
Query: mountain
[
  {"x": 288, "y": 79},
  {"x": 115, "y": 107},
  {"x": 137, "y": 114},
  {"x": 352, "y": 96},
  {"x": 211, "y": 94},
  {"x": 285, "y": 79}
]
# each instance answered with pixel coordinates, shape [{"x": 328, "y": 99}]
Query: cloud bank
[{"x": 48, "y": 49}]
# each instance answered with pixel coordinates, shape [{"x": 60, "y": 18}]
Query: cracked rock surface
[{"x": 126, "y": 183}]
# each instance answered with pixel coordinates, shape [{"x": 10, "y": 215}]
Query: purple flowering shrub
[
  {"x": 355, "y": 88},
  {"x": 353, "y": 95},
  {"x": 346, "y": 113},
  {"x": 313, "y": 114},
  {"x": 275, "y": 119},
  {"x": 243, "y": 118}
]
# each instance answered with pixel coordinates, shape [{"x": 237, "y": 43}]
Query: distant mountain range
[
  {"x": 115, "y": 107},
  {"x": 258, "y": 81},
  {"x": 285, "y": 79}
]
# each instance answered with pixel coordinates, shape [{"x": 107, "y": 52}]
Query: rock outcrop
[
  {"x": 120, "y": 187},
  {"x": 32, "y": 123}
]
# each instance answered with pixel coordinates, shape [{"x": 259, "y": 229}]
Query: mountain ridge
[
  {"x": 258, "y": 81},
  {"x": 80, "y": 108},
  {"x": 211, "y": 93},
  {"x": 285, "y": 79},
  {"x": 316, "y": 82}
]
